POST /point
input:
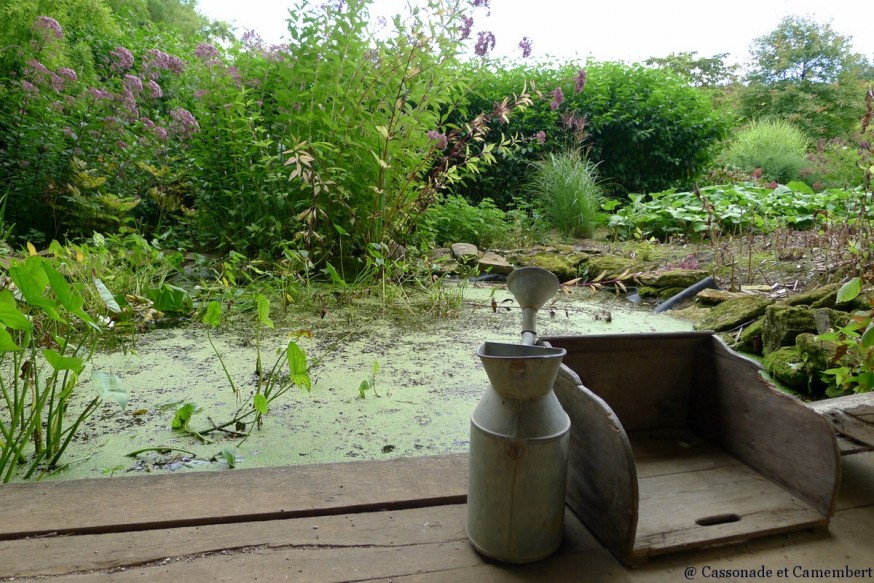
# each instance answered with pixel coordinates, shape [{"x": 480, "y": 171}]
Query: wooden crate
[{"x": 677, "y": 442}]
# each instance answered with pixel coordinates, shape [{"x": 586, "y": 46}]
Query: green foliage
[
  {"x": 801, "y": 49},
  {"x": 855, "y": 344},
  {"x": 454, "y": 220},
  {"x": 700, "y": 71},
  {"x": 46, "y": 340},
  {"x": 732, "y": 209},
  {"x": 566, "y": 188},
  {"x": 775, "y": 146},
  {"x": 645, "y": 129}
]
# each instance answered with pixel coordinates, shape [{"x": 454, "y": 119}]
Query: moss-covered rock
[
  {"x": 673, "y": 278},
  {"x": 812, "y": 296},
  {"x": 750, "y": 339},
  {"x": 564, "y": 265},
  {"x": 784, "y": 323},
  {"x": 787, "y": 366},
  {"x": 732, "y": 313},
  {"x": 613, "y": 266}
]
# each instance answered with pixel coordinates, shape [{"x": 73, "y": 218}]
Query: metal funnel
[
  {"x": 532, "y": 287},
  {"x": 520, "y": 372}
]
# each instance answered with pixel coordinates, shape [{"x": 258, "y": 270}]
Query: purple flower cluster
[
  {"x": 466, "y": 25},
  {"x": 122, "y": 59},
  {"x": 153, "y": 90},
  {"x": 525, "y": 45},
  {"x": 440, "y": 138},
  {"x": 540, "y": 137},
  {"x": 133, "y": 85},
  {"x": 157, "y": 60},
  {"x": 158, "y": 131},
  {"x": 207, "y": 53},
  {"x": 484, "y": 44},
  {"x": 186, "y": 124},
  {"x": 98, "y": 94},
  {"x": 29, "y": 87},
  {"x": 48, "y": 26},
  {"x": 580, "y": 82},
  {"x": 557, "y": 98}
]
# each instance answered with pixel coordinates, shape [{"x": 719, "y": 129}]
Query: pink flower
[
  {"x": 134, "y": 85},
  {"x": 186, "y": 124},
  {"x": 438, "y": 137},
  {"x": 29, "y": 87},
  {"x": 153, "y": 89},
  {"x": 557, "y": 98},
  {"x": 157, "y": 60},
  {"x": 484, "y": 44},
  {"x": 68, "y": 74},
  {"x": 206, "y": 53},
  {"x": 122, "y": 59},
  {"x": 580, "y": 81},
  {"x": 540, "y": 137},
  {"x": 98, "y": 94},
  {"x": 48, "y": 26},
  {"x": 525, "y": 45}
]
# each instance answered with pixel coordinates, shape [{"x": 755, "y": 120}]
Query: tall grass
[
  {"x": 566, "y": 188},
  {"x": 774, "y": 145}
]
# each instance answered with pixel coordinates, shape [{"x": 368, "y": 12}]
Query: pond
[{"x": 429, "y": 380}]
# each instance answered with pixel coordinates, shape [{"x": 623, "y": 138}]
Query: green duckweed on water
[{"x": 429, "y": 381}]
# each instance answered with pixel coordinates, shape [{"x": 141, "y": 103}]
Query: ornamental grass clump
[
  {"x": 567, "y": 189},
  {"x": 775, "y": 146}
]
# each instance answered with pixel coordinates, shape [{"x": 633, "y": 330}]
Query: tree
[
  {"x": 701, "y": 71},
  {"x": 800, "y": 49}
]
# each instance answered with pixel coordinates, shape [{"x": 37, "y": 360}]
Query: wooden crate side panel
[
  {"x": 602, "y": 483},
  {"x": 733, "y": 406},
  {"x": 644, "y": 378}
]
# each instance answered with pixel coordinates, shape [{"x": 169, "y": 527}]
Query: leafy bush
[
  {"x": 646, "y": 129},
  {"x": 776, "y": 146},
  {"x": 565, "y": 186},
  {"x": 731, "y": 209},
  {"x": 454, "y": 220},
  {"x": 834, "y": 164}
]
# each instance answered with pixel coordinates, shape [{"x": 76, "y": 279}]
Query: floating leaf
[
  {"x": 263, "y": 310},
  {"x": 260, "y": 403},
  {"x": 109, "y": 387},
  {"x": 363, "y": 388},
  {"x": 183, "y": 417},
  {"x": 230, "y": 456},
  {"x": 213, "y": 315},
  {"x": 169, "y": 298}
]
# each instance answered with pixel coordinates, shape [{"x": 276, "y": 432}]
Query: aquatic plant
[{"x": 46, "y": 342}]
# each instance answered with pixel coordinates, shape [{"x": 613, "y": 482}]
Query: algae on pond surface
[{"x": 429, "y": 381}]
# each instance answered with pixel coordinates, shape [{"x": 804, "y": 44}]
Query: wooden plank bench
[{"x": 392, "y": 520}]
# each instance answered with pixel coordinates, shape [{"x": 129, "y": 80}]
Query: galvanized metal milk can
[{"x": 519, "y": 437}]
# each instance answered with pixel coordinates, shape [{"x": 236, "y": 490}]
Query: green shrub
[
  {"x": 454, "y": 220},
  {"x": 646, "y": 129},
  {"x": 565, "y": 186},
  {"x": 834, "y": 164},
  {"x": 774, "y": 145}
]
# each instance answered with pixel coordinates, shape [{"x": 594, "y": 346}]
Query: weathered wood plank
[
  {"x": 341, "y": 548},
  {"x": 675, "y": 451},
  {"x": 148, "y": 502},
  {"x": 852, "y": 416},
  {"x": 645, "y": 378},
  {"x": 726, "y": 503},
  {"x": 602, "y": 484},
  {"x": 737, "y": 410}
]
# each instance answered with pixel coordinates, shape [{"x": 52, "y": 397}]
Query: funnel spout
[{"x": 529, "y": 326}]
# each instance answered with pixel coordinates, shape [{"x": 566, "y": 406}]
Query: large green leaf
[
  {"x": 259, "y": 402},
  {"x": 849, "y": 290},
  {"x": 263, "y": 311},
  {"x": 109, "y": 387},
  {"x": 169, "y": 298},
  {"x": 71, "y": 301},
  {"x": 12, "y": 318},
  {"x": 7, "y": 344},
  {"x": 60, "y": 362},
  {"x": 297, "y": 366},
  {"x": 213, "y": 315},
  {"x": 107, "y": 297},
  {"x": 183, "y": 416}
]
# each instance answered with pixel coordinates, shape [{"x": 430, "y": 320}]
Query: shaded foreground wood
[
  {"x": 426, "y": 543},
  {"x": 704, "y": 450}
]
